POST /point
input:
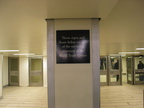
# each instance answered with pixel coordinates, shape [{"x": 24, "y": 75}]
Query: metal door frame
[
  {"x": 30, "y": 83},
  {"x": 131, "y": 71},
  {"x": 104, "y": 72},
  {"x": 115, "y": 72},
  {"x": 137, "y": 71},
  {"x": 9, "y": 72}
]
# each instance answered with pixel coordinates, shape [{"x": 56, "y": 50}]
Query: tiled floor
[
  {"x": 126, "y": 96},
  {"x": 24, "y": 97}
]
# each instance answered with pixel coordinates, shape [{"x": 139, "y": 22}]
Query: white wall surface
[
  {"x": 5, "y": 71},
  {"x": 23, "y": 71}
]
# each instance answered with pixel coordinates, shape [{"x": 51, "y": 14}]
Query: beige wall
[{"x": 122, "y": 30}]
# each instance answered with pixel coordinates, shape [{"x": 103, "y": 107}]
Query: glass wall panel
[
  {"x": 14, "y": 64},
  {"x": 139, "y": 77},
  {"x": 103, "y": 64},
  {"x": 36, "y": 79},
  {"x": 103, "y": 71},
  {"x": 129, "y": 63},
  {"x": 139, "y": 62},
  {"x": 114, "y": 61},
  {"x": 114, "y": 78},
  {"x": 36, "y": 64},
  {"x": 129, "y": 77},
  {"x": 103, "y": 78},
  {"x": 130, "y": 69},
  {"x": 36, "y": 71},
  {"x": 14, "y": 79},
  {"x": 115, "y": 72}
]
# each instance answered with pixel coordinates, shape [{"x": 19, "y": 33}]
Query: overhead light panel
[
  {"x": 9, "y": 50},
  {"x": 25, "y": 54},
  {"x": 139, "y": 48},
  {"x": 35, "y": 56},
  {"x": 129, "y": 52}
]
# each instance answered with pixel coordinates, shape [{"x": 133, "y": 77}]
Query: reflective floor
[{"x": 126, "y": 96}]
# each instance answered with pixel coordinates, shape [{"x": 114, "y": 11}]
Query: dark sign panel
[{"x": 73, "y": 46}]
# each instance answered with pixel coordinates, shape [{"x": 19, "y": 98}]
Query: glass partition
[
  {"x": 13, "y": 63},
  {"x": 36, "y": 71},
  {"x": 139, "y": 62},
  {"x": 103, "y": 61},
  {"x": 114, "y": 61},
  {"x": 36, "y": 64},
  {"x": 130, "y": 71},
  {"x": 115, "y": 75},
  {"x": 103, "y": 70},
  {"x": 139, "y": 69}
]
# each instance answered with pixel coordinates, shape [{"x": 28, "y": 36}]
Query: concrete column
[
  {"x": 73, "y": 85},
  {"x": 24, "y": 71}
]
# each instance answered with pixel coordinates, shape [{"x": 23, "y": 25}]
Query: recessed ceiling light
[
  {"x": 139, "y": 48},
  {"x": 24, "y": 54},
  {"x": 9, "y": 50}
]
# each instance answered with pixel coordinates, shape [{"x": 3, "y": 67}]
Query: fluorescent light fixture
[
  {"x": 114, "y": 54},
  {"x": 123, "y": 55},
  {"x": 35, "y": 56},
  {"x": 9, "y": 50},
  {"x": 129, "y": 57},
  {"x": 24, "y": 54},
  {"x": 38, "y": 55},
  {"x": 139, "y": 48},
  {"x": 129, "y": 52}
]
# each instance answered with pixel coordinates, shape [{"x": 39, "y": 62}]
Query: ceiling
[{"x": 23, "y": 26}]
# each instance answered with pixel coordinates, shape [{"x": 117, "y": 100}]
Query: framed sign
[{"x": 73, "y": 46}]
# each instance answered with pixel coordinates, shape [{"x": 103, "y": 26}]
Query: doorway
[
  {"x": 35, "y": 71},
  {"x": 13, "y": 64}
]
